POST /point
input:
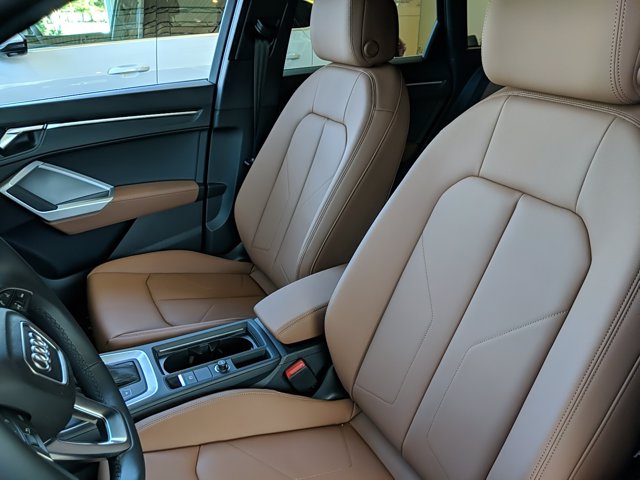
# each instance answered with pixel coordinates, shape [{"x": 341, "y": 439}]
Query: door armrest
[{"x": 296, "y": 312}]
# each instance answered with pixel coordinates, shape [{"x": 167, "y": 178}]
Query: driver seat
[{"x": 488, "y": 325}]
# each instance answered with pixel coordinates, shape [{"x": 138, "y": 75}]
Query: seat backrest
[
  {"x": 328, "y": 165},
  {"x": 489, "y": 323}
]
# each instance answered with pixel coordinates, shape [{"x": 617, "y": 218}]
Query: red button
[{"x": 295, "y": 368}]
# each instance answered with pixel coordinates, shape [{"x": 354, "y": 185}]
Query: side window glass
[
  {"x": 77, "y": 23},
  {"x": 92, "y": 46},
  {"x": 475, "y": 21},
  {"x": 187, "y": 32},
  {"x": 417, "y": 18},
  {"x": 416, "y": 21}
]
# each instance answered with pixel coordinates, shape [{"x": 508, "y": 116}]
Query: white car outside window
[{"x": 114, "y": 46}]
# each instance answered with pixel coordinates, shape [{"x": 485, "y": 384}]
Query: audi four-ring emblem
[
  {"x": 42, "y": 356},
  {"x": 40, "y": 353}
]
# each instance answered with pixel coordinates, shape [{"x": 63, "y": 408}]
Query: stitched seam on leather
[
  {"x": 341, "y": 174},
  {"x": 395, "y": 287},
  {"x": 482, "y": 342},
  {"x": 224, "y": 297},
  {"x": 471, "y": 297},
  {"x": 620, "y": 86},
  {"x": 588, "y": 384},
  {"x": 282, "y": 165},
  {"x": 348, "y": 467},
  {"x": 181, "y": 410},
  {"x": 612, "y": 55},
  {"x": 295, "y": 207},
  {"x": 70, "y": 348},
  {"x": 574, "y": 403},
  {"x": 493, "y": 133},
  {"x": 315, "y": 225},
  {"x": 424, "y": 336},
  {"x": 197, "y": 462},
  {"x": 607, "y": 418},
  {"x": 357, "y": 185},
  {"x": 213, "y": 304},
  {"x": 595, "y": 154},
  {"x": 466, "y": 308},
  {"x": 295, "y": 321},
  {"x": 634, "y": 120},
  {"x": 260, "y": 461},
  {"x": 153, "y": 301},
  {"x": 484, "y": 29}
]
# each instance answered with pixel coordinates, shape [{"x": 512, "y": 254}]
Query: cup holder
[{"x": 203, "y": 353}]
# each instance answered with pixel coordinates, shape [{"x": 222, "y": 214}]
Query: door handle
[
  {"x": 124, "y": 69},
  {"x": 293, "y": 56},
  {"x": 12, "y": 134}
]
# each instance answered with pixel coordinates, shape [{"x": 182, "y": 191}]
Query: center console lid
[{"x": 296, "y": 312}]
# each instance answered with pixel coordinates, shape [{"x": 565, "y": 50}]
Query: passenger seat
[{"x": 321, "y": 178}]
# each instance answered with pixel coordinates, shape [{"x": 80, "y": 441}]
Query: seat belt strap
[{"x": 262, "y": 48}]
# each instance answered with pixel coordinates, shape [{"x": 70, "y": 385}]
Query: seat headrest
[
  {"x": 362, "y": 33},
  {"x": 586, "y": 49}
]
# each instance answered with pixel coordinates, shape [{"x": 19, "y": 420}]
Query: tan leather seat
[
  {"x": 488, "y": 325},
  {"x": 322, "y": 176}
]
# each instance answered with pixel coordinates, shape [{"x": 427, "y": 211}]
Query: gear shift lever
[{"x": 124, "y": 374}]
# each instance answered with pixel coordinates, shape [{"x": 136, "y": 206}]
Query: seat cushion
[
  {"x": 261, "y": 434},
  {"x": 329, "y": 453},
  {"x": 151, "y": 297}
]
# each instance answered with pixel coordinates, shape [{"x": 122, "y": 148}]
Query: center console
[{"x": 236, "y": 355}]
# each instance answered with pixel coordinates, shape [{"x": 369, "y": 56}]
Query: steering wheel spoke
[{"x": 110, "y": 424}]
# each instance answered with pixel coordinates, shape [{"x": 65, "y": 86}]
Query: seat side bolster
[{"x": 238, "y": 414}]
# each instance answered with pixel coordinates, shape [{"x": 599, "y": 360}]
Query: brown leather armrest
[
  {"x": 296, "y": 312},
  {"x": 133, "y": 201}
]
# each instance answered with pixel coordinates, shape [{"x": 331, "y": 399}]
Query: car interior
[{"x": 418, "y": 258}]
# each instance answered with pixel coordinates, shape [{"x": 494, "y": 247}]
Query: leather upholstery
[
  {"x": 587, "y": 49},
  {"x": 362, "y": 33},
  {"x": 295, "y": 313},
  {"x": 332, "y": 453},
  {"x": 324, "y": 172},
  {"x": 166, "y": 294},
  {"x": 500, "y": 291},
  {"x": 488, "y": 325},
  {"x": 133, "y": 201},
  {"x": 264, "y": 412},
  {"x": 319, "y": 181}
]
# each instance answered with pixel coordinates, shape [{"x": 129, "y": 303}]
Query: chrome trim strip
[
  {"x": 13, "y": 133},
  {"x": 93, "y": 412},
  {"x": 147, "y": 371},
  {"x": 65, "y": 210},
  {"x": 80, "y": 123},
  {"x": 208, "y": 338}
]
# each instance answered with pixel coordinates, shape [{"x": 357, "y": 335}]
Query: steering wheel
[{"x": 51, "y": 375}]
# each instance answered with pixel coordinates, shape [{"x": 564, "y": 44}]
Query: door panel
[{"x": 150, "y": 144}]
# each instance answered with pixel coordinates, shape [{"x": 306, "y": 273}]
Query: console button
[
  {"x": 5, "y": 299},
  {"x": 18, "y": 306},
  {"x": 126, "y": 393},
  {"x": 188, "y": 378},
  {"x": 203, "y": 374},
  {"x": 21, "y": 295}
]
